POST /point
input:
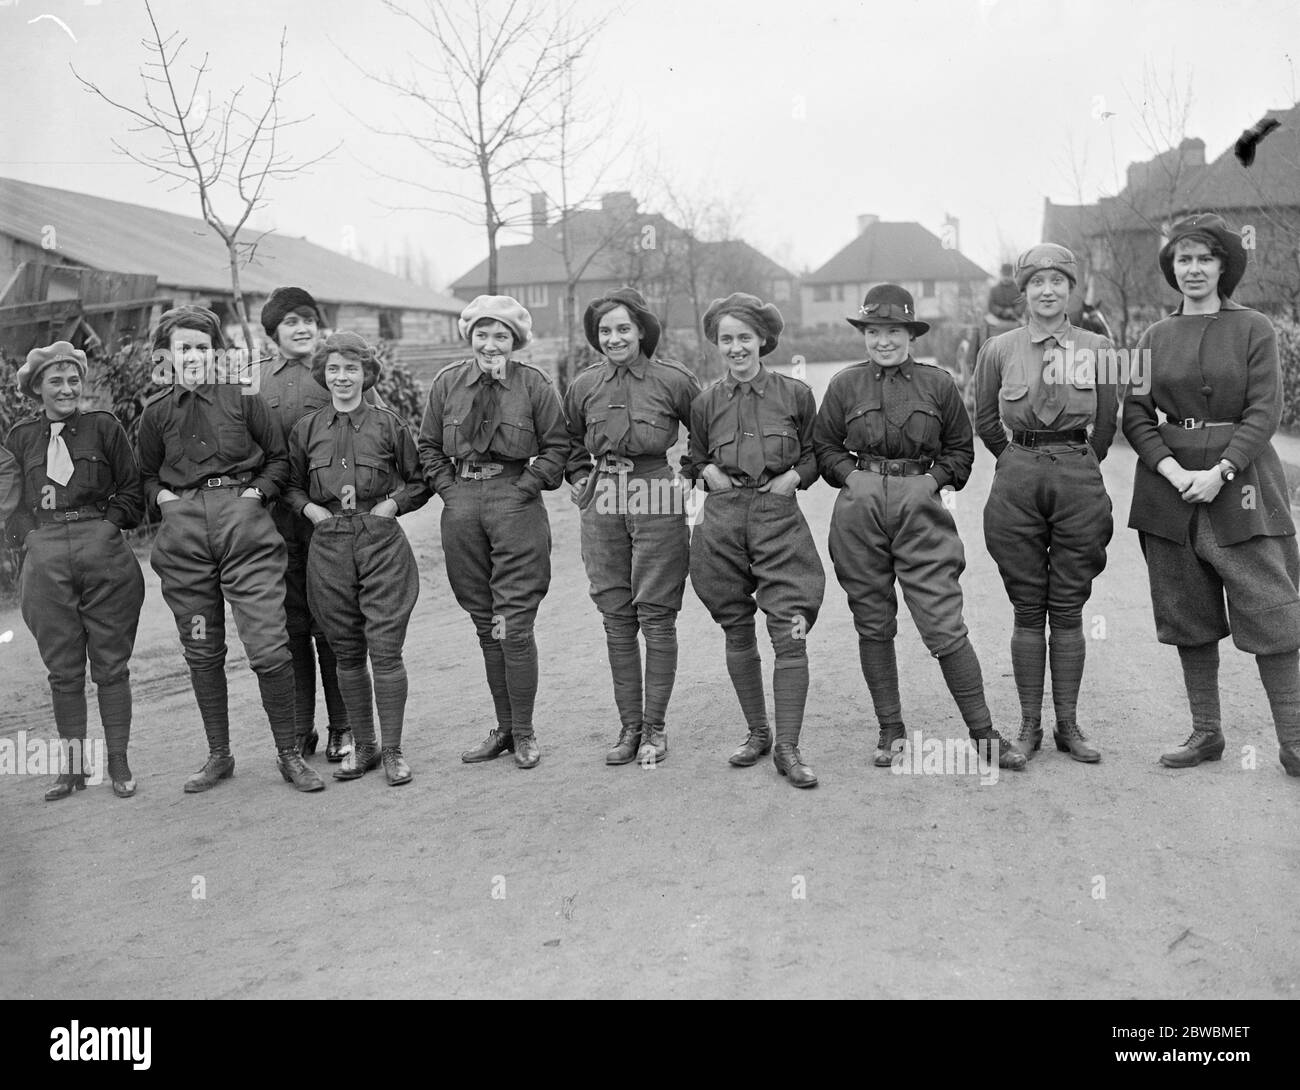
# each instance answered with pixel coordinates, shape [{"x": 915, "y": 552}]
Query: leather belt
[
  {"x": 485, "y": 471},
  {"x": 356, "y": 507},
  {"x": 86, "y": 511},
  {"x": 1045, "y": 438},
  {"x": 1191, "y": 424},
  {"x": 223, "y": 482},
  {"x": 621, "y": 463},
  {"x": 743, "y": 480},
  {"x": 896, "y": 467}
]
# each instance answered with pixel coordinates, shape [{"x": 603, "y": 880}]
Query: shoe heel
[{"x": 1061, "y": 747}]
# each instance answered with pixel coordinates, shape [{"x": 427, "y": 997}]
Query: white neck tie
[{"x": 58, "y": 462}]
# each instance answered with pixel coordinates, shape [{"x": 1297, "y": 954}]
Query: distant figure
[{"x": 1006, "y": 303}]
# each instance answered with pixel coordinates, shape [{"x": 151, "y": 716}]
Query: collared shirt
[
  {"x": 289, "y": 388},
  {"x": 103, "y": 469},
  {"x": 190, "y": 434},
  {"x": 923, "y": 417},
  {"x": 655, "y": 395},
  {"x": 783, "y": 409},
  {"x": 384, "y": 463},
  {"x": 530, "y": 424},
  {"x": 1012, "y": 387}
]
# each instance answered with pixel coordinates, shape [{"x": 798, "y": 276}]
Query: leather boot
[
  {"x": 654, "y": 746},
  {"x": 887, "y": 745},
  {"x": 496, "y": 743},
  {"x": 120, "y": 773},
  {"x": 338, "y": 745},
  {"x": 365, "y": 757},
  {"x": 297, "y": 771},
  {"x": 1201, "y": 745},
  {"x": 526, "y": 752},
  {"x": 67, "y": 783},
  {"x": 1030, "y": 740},
  {"x": 1008, "y": 755},
  {"x": 1070, "y": 739},
  {"x": 1289, "y": 754},
  {"x": 758, "y": 744},
  {"x": 626, "y": 748},
  {"x": 789, "y": 763},
  {"x": 307, "y": 742},
  {"x": 218, "y": 766},
  {"x": 395, "y": 766}
]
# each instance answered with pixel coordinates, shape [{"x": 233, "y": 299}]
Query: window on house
[
  {"x": 781, "y": 290},
  {"x": 535, "y": 295},
  {"x": 927, "y": 289},
  {"x": 839, "y": 293},
  {"x": 821, "y": 293},
  {"x": 390, "y": 325}
]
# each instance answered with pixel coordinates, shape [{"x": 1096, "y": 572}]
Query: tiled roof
[{"x": 887, "y": 252}]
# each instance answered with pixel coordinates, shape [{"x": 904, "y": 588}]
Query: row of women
[{"x": 302, "y": 539}]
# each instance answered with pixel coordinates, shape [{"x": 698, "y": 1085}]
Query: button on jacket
[
  {"x": 782, "y": 409},
  {"x": 384, "y": 463},
  {"x": 926, "y": 420},
  {"x": 104, "y": 470},
  {"x": 188, "y": 435},
  {"x": 632, "y": 411},
  {"x": 529, "y": 424}
]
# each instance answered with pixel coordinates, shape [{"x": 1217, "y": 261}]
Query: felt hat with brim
[
  {"x": 1234, "y": 268},
  {"x": 351, "y": 346},
  {"x": 634, "y": 303},
  {"x": 38, "y": 359},
  {"x": 889, "y": 304},
  {"x": 506, "y": 309},
  {"x": 762, "y": 318}
]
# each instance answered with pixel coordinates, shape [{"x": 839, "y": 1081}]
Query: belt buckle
[
  {"x": 895, "y": 468},
  {"x": 212, "y": 482},
  {"x": 71, "y": 516},
  {"x": 616, "y": 463},
  {"x": 1188, "y": 425}
]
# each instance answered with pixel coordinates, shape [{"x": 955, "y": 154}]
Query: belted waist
[
  {"x": 1192, "y": 424},
  {"x": 86, "y": 511},
  {"x": 896, "y": 467},
  {"x": 744, "y": 480},
  {"x": 637, "y": 463},
  {"x": 352, "y": 507},
  {"x": 485, "y": 471},
  {"x": 1047, "y": 437}
]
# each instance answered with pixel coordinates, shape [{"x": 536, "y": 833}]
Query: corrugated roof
[
  {"x": 889, "y": 252},
  {"x": 184, "y": 254}
]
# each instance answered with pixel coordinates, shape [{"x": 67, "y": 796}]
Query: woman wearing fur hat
[
  {"x": 212, "y": 454},
  {"x": 353, "y": 469},
  {"x": 1047, "y": 521},
  {"x": 890, "y": 435},
  {"x": 1210, "y": 499},
  {"x": 81, "y": 588},
  {"x": 751, "y": 446},
  {"x": 623, "y": 415},
  {"x": 491, "y": 442}
]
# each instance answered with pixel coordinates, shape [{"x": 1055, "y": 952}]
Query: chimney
[
  {"x": 539, "y": 214},
  {"x": 866, "y": 220}
]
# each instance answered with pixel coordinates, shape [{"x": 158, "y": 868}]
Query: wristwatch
[
  {"x": 1227, "y": 471},
  {"x": 260, "y": 494}
]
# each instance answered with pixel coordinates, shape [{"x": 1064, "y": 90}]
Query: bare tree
[{"x": 228, "y": 154}]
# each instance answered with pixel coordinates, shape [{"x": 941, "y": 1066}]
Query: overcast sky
[{"x": 803, "y": 114}]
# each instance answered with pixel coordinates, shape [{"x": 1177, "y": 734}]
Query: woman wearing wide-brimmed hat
[
  {"x": 751, "y": 447},
  {"x": 81, "y": 588},
  {"x": 1048, "y": 518},
  {"x": 1210, "y": 498},
  {"x": 890, "y": 434},
  {"x": 623, "y": 415}
]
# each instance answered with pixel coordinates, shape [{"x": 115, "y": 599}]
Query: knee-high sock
[
  {"x": 209, "y": 685},
  {"x": 961, "y": 671},
  {"x": 390, "y": 699},
  {"x": 304, "y": 682},
  {"x": 329, "y": 680},
  {"x": 1281, "y": 677},
  {"x": 1028, "y": 664},
  {"x": 521, "y": 679},
  {"x": 354, "y": 684},
  {"x": 1067, "y": 649},
  {"x": 746, "y": 671},
  {"x": 880, "y": 670},
  {"x": 115, "y": 715},
  {"x": 660, "y": 631},
  {"x": 790, "y": 694},
  {"x": 276, "y": 687},
  {"x": 1201, "y": 677},
  {"x": 494, "y": 662},
  {"x": 69, "y": 711},
  {"x": 625, "y": 667}
]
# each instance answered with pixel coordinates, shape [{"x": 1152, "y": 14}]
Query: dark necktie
[
  {"x": 750, "y": 458},
  {"x": 481, "y": 420},
  {"x": 619, "y": 421},
  {"x": 897, "y": 406},
  {"x": 194, "y": 432},
  {"x": 1051, "y": 398},
  {"x": 343, "y": 450}
]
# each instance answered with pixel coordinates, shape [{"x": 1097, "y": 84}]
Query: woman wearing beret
[
  {"x": 623, "y": 414},
  {"x": 751, "y": 446},
  {"x": 491, "y": 442},
  {"x": 1047, "y": 521},
  {"x": 81, "y": 588},
  {"x": 890, "y": 434},
  {"x": 353, "y": 469},
  {"x": 1210, "y": 499}
]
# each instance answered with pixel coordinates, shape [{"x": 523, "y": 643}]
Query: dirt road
[{"x": 696, "y": 879}]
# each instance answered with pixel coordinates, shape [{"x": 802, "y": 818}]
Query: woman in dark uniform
[
  {"x": 623, "y": 414},
  {"x": 890, "y": 435},
  {"x": 751, "y": 447},
  {"x": 1047, "y": 521},
  {"x": 81, "y": 587},
  {"x": 487, "y": 417},
  {"x": 1210, "y": 499}
]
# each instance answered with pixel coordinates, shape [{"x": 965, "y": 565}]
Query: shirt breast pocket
[
  {"x": 1015, "y": 383},
  {"x": 234, "y": 441},
  {"x": 865, "y": 426},
  {"x": 596, "y": 419},
  {"x": 451, "y": 433},
  {"x": 923, "y": 427},
  {"x": 781, "y": 446},
  {"x": 372, "y": 477},
  {"x": 651, "y": 431},
  {"x": 90, "y": 469},
  {"x": 516, "y": 437}
]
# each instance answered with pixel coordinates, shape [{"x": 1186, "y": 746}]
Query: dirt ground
[{"x": 693, "y": 879}]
